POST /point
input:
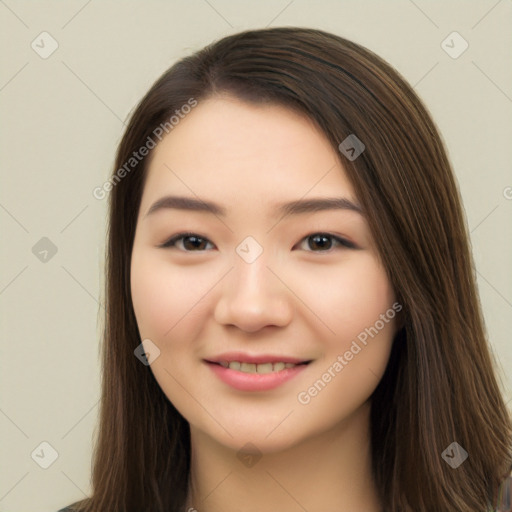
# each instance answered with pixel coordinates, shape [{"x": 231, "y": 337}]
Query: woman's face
[{"x": 255, "y": 283}]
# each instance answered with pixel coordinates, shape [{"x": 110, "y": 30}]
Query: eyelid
[
  {"x": 344, "y": 243},
  {"x": 171, "y": 242}
]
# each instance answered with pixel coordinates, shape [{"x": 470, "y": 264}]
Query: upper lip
[{"x": 256, "y": 359}]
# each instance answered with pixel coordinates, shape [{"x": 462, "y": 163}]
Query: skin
[{"x": 296, "y": 299}]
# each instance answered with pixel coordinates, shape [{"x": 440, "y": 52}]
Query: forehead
[{"x": 240, "y": 153}]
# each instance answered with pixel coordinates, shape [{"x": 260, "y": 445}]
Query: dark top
[{"x": 504, "y": 497}]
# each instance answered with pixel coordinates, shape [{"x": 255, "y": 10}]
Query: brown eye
[
  {"x": 323, "y": 242},
  {"x": 320, "y": 242},
  {"x": 316, "y": 242},
  {"x": 188, "y": 242}
]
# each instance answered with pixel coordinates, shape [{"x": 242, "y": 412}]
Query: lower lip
[{"x": 255, "y": 381}]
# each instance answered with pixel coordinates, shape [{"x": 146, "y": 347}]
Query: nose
[{"x": 253, "y": 297}]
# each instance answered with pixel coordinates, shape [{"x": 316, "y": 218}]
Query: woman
[{"x": 292, "y": 317}]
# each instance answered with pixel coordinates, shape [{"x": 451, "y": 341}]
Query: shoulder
[{"x": 69, "y": 508}]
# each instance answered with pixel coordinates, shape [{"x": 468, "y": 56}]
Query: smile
[
  {"x": 244, "y": 376},
  {"x": 257, "y": 368}
]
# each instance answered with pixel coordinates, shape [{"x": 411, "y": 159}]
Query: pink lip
[
  {"x": 257, "y": 359},
  {"x": 255, "y": 381}
]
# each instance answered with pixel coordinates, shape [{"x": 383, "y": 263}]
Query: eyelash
[{"x": 171, "y": 243}]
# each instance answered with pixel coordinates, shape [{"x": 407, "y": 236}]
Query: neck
[{"x": 331, "y": 471}]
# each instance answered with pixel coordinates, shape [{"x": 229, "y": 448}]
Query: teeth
[
  {"x": 264, "y": 368},
  {"x": 256, "y": 368},
  {"x": 235, "y": 365}
]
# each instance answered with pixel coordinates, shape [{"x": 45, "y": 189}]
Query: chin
[{"x": 256, "y": 436}]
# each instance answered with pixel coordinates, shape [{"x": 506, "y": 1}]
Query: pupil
[
  {"x": 319, "y": 241},
  {"x": 195, "y": 242}
]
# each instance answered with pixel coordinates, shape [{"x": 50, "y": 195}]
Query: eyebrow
[{"x": 288, "y": 208}]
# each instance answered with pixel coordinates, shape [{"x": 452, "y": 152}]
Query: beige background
[{"x": 63, "y": 116}]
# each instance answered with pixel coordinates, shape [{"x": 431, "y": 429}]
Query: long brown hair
[{"x": 439, "y": 386}]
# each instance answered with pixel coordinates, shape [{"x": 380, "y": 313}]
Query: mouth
[
  {"x": 256, "y": 373},
  {"x": 260, "y": 368}
]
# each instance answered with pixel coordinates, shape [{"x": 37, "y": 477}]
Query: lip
[
  {"x": 243, "y": 357},
  {"x": 255, "y": 381}
]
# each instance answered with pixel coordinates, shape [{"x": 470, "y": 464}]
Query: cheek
[
  {"x": 356, "y": 356},
  {"x": 168, "y": 306},
  {"x": 163, "y": 296},
  {"x": 368, "y": 320},
  {"x": 367, "y": 296},
  {"x": 348, "y": 299},
  {"x": 166, "y": 302},
  {"x": 153, "y": 296}
]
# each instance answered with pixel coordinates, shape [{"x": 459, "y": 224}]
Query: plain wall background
[{"x": 62, "y": 118}]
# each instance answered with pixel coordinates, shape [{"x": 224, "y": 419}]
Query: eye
[
  {"x": 325, "y": 241},
  {"x": 318, "y": 242},
  {"x": 187, "y": 242}
]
